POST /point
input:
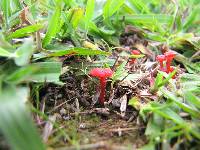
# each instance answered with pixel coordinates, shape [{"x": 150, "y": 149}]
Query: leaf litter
[{"x": 76, "y": 107}]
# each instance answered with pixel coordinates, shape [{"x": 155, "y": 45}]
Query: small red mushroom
[
  {"x": 161, "y": 59},
  {"x": 134, "y": 52},
  {"x": 102, "y": 74},
  {"x": 169, "y": 56}
]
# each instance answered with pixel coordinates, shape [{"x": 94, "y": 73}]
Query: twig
[{"x": 84, "y": 147}]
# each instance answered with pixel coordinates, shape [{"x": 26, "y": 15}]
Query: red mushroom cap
[
  {"x": 170, "y": 55},
  {"x": 135, "y": 52},
  {"x": 160, "y": 58},
  {"x": 101, "y": 72}
]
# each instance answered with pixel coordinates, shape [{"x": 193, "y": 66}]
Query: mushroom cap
[
  {"x": 170, "y": 55},
  {"x": 135, "y": 52},
  {"x": 160, "y": 58},
  {"x": 101, "y": 72}
]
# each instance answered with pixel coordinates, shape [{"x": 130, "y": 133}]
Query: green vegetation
[{"x": 39, "y": 38}]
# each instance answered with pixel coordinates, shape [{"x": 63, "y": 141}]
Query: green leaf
[
  {"x": 89, "y": 12},
  {"x": 170, "y": 114},
  {"x": 154, "y": 126},
  {"x": 24, "y": 53},
  {"x": 111, "y": 7},
  {"x": 48, "y": 71},
  {"x": 25, "y": 31},
  {"x": 77, "y": 15},
  {"x": 5, "y": 53},
  {"x": 148, "y": 18},
  {"x": 21, "y": 74},
  {"x": 192, "y": 99},
  {"x": 78, "y": 51},
  {"x": 120, "y": 72},
  {"x": 191, "y": 18},
  {"x": 15, "y": 121},
  {"x": 135, "y": 103},
  {"x": 54, "y": 25},
  {"x": 139, "y": 5},
  {"x": 182, "y": 105},
  {"x": 6, "y": 10}
]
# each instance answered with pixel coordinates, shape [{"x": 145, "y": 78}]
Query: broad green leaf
[
  {"x": 21, "y": 74},
  {"x": 15, "y": 120},
  {"x": 24, "y": 53},
  {"x": 48, "y": 71},
  {"x": 54, "y": 25},
  {"x": 25, "y": 31},
  {"x": 78, "y": 51},
  {"x": 5, "y": 53}
]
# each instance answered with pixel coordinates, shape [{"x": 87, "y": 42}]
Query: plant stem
[{"x": 102, "y": 92}]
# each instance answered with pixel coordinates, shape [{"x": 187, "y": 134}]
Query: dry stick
[
  {"x": 84, "y": 147},
  {"x": 114, "y": 65},
  {"x": 93, "y": 146},
  {"x": 56, "y": 107},
  {"x": 126, "y": 129}
]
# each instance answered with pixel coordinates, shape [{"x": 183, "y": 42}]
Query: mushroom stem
[
  {"x": 168, "y": 63},
  {"x": 161, "y": 66},
  {"x": 102, "y": 90}
]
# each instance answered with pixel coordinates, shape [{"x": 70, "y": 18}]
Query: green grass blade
[
  {"x": 25, "y": 31},
  {"x": 89, "y": 12},
  {"x": 110, "y": 7},
  {"x": 54, "y": 25},
  {"x": 78, "y": 51},
  {"x": 149, "y": 18},
  {"x": 182, "y": 105},
  {"x": 15, "y": 121},
  {"x": 6, "y": 10},
  {"x": 192, "y": 99}
]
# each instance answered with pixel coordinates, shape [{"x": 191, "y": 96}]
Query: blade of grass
[
  {"x": 53, "y": 27},
  {"x": 182, "y": 105},
  {"x": 15, "y": 121},
  {"x": 89, "y": 12},
  {"x": 78, "y": 51},
  {"x": 25, "y": 31}
]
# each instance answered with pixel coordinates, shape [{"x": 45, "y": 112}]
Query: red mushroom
[
  {"x": 102, "y": 74},
  {"x": 134, "y": 52},
  {"x": 160, "y": 59},
  {"x": 169, "y": 56}
]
